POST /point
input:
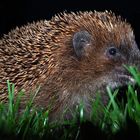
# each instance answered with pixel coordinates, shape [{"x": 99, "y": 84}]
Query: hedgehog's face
[
  {"x": 106, "y": 63},
  {"x": 116, "y": 59}
]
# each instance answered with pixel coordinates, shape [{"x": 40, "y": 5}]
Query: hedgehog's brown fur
[{"x": 41, "y": 54}]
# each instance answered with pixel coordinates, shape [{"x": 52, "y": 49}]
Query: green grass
[{"x": 120, "y": 119}]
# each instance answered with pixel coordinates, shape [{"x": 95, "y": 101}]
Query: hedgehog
[{"x": 68, "y": 59}]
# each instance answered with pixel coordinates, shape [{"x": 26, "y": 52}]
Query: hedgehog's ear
[{"x": 81, "y": 42}]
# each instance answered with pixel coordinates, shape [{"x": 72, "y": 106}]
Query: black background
[{"x": 18, "y": 12}]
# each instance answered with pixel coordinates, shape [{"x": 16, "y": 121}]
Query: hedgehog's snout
[{"x": 134, "y": 59}]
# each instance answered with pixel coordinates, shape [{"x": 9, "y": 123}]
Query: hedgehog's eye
[{"x": 112, "y": 52}]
